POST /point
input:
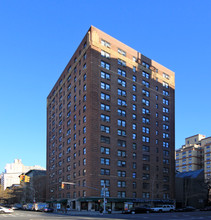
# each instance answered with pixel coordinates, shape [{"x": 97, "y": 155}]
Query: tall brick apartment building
[{"x": 110, "y": 120}]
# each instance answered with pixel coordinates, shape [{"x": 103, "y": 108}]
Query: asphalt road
[{"x": 29, "y": 215}]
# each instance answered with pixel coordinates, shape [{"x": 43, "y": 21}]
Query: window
[
  {"x": 105, "y": 96},
  {"x": 134, "y": 136},
  {"x": 68, "y": 105},
  {"x": 105, "y": 129},
  {"x": 121, "y": 143},
  {"x": 146, "y": 75},
  {"x": 146, "y": 65},
  {"x": 84, "y": 56},
  {"x": 134, "y": 175},
  {"x": 68, "y": 122},
  {"x": 121, "y": 173},
  {"x": 105, "y": 118},
  {"x": 134, "y": 116},
  {"x": 105, "y": 86},
  {"x": 134, "y": 78},
  {"x": 165, "y": 118},
  {"x": 105, "y": 107},
  {"x": 134, "y": 126},
  {"x": 134, "y": 98},
  {"x": 121, "y": 72},
  {"x": 105, "y": 54},
  {"x": 165, "y": 135},
  {"x": 145, "y": 102},
  {"x": 105, "y": 43},
  {"x": 145, "y": 111},
  {"x": 145, "y": 176},
  {"x": 121, "y": 62},
  {"x": 105, "y": 75},
  {"x": 145, "y": 139},
  {"x": 145, "y": 148},
  {"x": 166, "y": 93},
  {"x": 166, "y": 76},
  {"x": 146, "y": 167},
  {"x": 105, "y": 161},
  {"x": 145, "y": 83},
  {"x": 145, "y": 130},
  {"x": 84, "y": 77},
  {"x": 121, "y": 132},
  {"x": 122, "y": 82},
  {"x": 121, "y": 153},
  {"x": 121, "y": 102},
  {"x": 166, "y": 101},
  {"x": 165, "y": 161},
  {"x": 134, "y": 88},
  {"x": 121, "y": 112},
  {"x": 105, "y": 182},
  {"x": 68, "y": 132},
  {"x": 145, "y": 195},
  {"x": 166, "y": 85},
  {"x": 146, "y": 120},
  {"x": 165, "y": 144},
  {"x": 121, "y": 123},
  {"x": 122, "y": 52},
  {"x": 134, "y": 107},
  {"x": 105, "y": 150},
  {"x": 105, "y": 65},
  {"x": 134, "y": 69},
  {"x": 121, "y": 184},
  {"x": 121, "y": 194},
  {"x": 121, "y": 163},
  {"x": 165, "y": 110},
  {"x": 145, "y": 158},
  {"x": 104, "y": 171},
  {"x": 104, "y": 139},
  {"x": 121, "y": 92},
  {"x": 145, "y": 92}
]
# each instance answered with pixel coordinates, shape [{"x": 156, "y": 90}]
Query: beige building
[
  {"x": 194, "y": 155},
  {"x": 13, "y": 170}
]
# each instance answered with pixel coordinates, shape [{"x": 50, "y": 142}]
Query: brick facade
[{"x": 121, "y": 118}]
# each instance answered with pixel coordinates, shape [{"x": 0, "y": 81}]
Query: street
[{"x": 29, "y": 215}]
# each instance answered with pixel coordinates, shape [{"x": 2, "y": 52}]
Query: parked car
[
  {"x": 142, "y": 209},
  {"x": 208, "y": 208},
  {"x": 186, "y": 209},
  {"x": 40, "y": 206},
  {"x": 48, "y": 209},
  {"x": 163, "y": 208},
  {"x": 5, "y": 210}
]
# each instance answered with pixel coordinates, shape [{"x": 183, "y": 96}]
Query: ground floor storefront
[{"x": 98, "y": 204}]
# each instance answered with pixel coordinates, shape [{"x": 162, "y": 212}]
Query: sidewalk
[{"x": 85, "y": 213}]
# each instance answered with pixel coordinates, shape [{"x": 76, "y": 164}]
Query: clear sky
[{"x": 37, "y": 39}]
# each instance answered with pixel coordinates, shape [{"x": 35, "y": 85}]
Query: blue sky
[{"x": 37, "y": 39}]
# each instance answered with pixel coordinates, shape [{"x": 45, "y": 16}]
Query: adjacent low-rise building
[
  {"x": 191, "y": 189},
  {"x": 195, "y": 155},
  {"x": 13, "y": 171}
]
